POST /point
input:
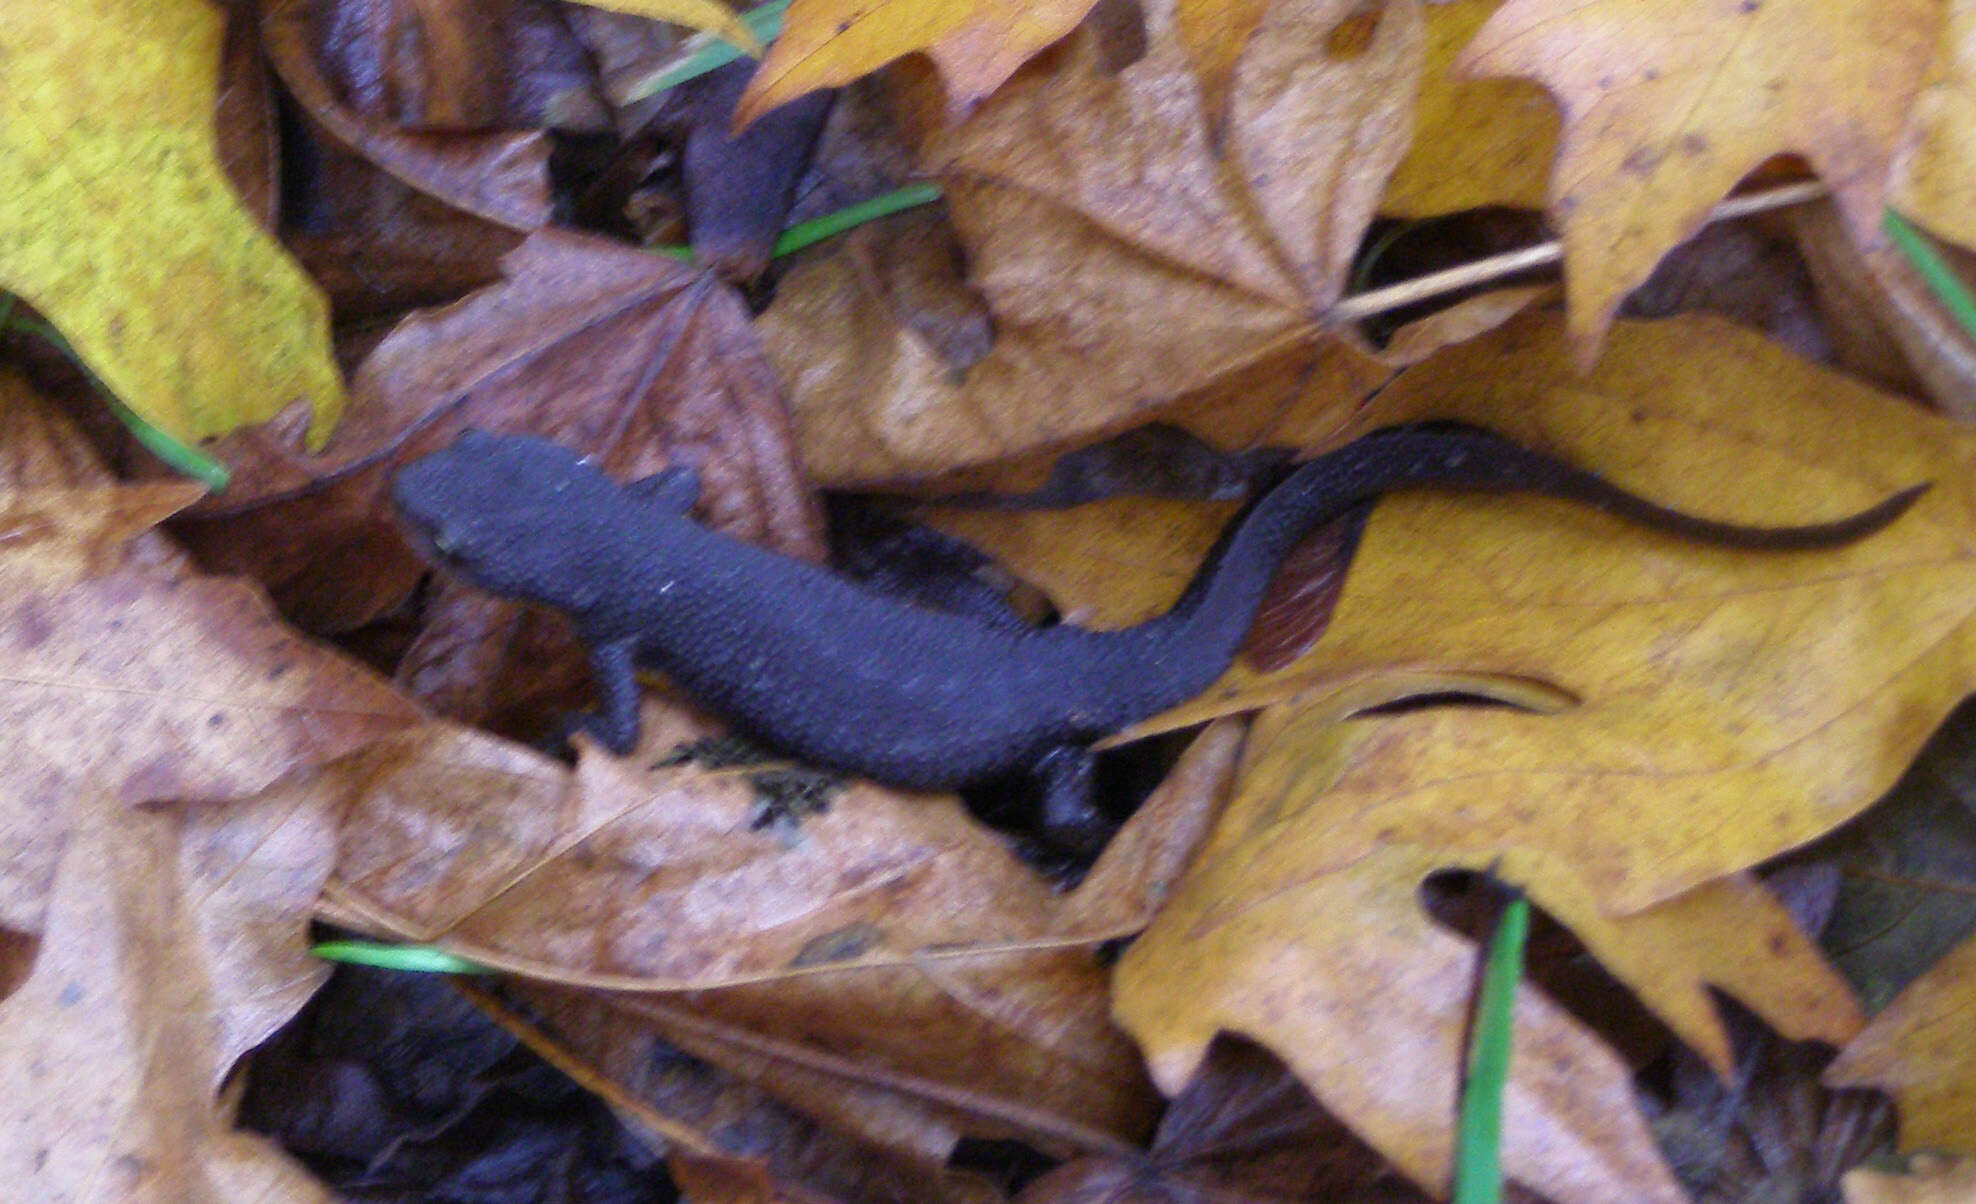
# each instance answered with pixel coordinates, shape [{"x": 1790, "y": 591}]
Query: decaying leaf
[
  {"x": 174, "y": 942},
  {"x": 881, "y": 931},
  {"x": 1128, "y": 259},
  {"x": 144, "y": 684},
  {"x": 181, "y": 304},
  {"x": 1668, "y": 104},
  {"x": 501, "y": 176}
]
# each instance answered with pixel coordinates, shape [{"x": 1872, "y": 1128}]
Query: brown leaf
[
  {"x": 1930, "y": 1179},
  {"x": 146, "y": 684},
  {"x": 173, "y": 943},
  {"x": 1127, "y": 260},
  {"x": 887, "y": 933},
  {"x": 1243, "y": 1129},
  {"x": 1668, "y": 105},
  {"x": 641, "y": 360},
  {"x": 502, "y": 177}
]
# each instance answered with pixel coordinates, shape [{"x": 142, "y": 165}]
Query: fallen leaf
[
  {"x": 1128, "y": 261},
  {"x": 640, "y": 874},
  {"x": 1929, "y": 1179},
  {"x": 645, "y": 359},
  {"x": 1937, "y": 156},
  {"x": 143, "y": 682},
  {"x": 1668, "y": 104},
  {"x": 173, "y": 943},
  {"x": 1346, "y": 979},
  {"x": 1684, "y": 743},
  {"x": 977, "y": 44},
  {"x": 502, "y": 177},
  {"x": 885, "y": 933},
  {"x": 1476, "y": 142},
  {"x": 124, "y": 231},
  {"x": 1243, "y": 1129},
  {"x": 1918, "y": 1051}
]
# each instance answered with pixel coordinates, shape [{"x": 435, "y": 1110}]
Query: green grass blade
[
  {"x": 418, "y": 959},
  {"x": 1933, "y": 269},
  {"x": 183, "y": 457},
  {"x": 815, "y": 230},
  {"x": 1478, "y": 1145},
  {"x": 804, "y": 234},
  {"x": 764, "y": 21}
]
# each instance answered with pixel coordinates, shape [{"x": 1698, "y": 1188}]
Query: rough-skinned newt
[{"x": 854, "y": 681}]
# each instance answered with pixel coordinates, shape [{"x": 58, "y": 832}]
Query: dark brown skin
[{"x": 850, "y": 680}]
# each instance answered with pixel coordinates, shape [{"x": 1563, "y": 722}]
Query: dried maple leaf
[
  {"x": 146, "y": 684},
  {"x": 1129, "y": 259},
  {"x": 121, "y": 226},
  {"x": 1667, "y": 104}
]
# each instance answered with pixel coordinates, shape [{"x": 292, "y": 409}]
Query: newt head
[{"x": 513, "y": 514}]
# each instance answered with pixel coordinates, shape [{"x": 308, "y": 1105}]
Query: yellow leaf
[
  {"x": 1476, "y": 142},
  {"x": 120, "y": 226},
  {"x": 1919, "y": 1051},
  {"x": 1668, "y": 103},
  {"x": 708, "y": 15},
  {"x": 1935, "y": 172},
  {"x": 977, "y": 44},
  {"x": 1706, "y": 709}
]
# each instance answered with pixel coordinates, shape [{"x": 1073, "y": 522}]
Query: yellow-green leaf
[{"x": 118, "y": 224}]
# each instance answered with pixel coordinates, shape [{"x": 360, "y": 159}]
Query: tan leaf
[
  {"x": 1128, "y": 260},
  {"x": 173, "y": 943},
  {"x": 1929, "y": 1179},
  {"x": 886, "y": 932},
  {"x": 1667, "y": 104},
  {"x": 144, "y": 683}
]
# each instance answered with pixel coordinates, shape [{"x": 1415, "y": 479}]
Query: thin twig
[{"x": 1396, "y": 296}]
